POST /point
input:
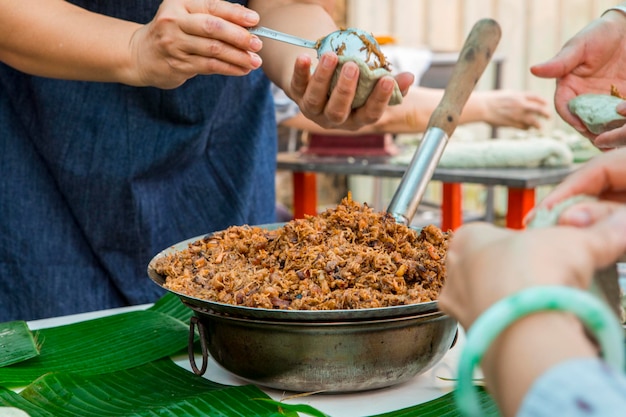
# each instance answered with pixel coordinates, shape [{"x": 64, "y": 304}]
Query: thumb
[
  {"x": 606, "y": 239},
  {"x": 558, "y": 66}
]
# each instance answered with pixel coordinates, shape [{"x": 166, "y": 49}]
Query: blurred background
[{"x": 429, "y": 33}]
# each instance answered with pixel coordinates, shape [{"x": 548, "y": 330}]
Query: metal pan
[{"x": 318, "y": 316}]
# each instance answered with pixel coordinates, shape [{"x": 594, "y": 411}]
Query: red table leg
[
  {"x": 304, "y": 194},
  {"x": 451, "y": 206},
  {"x": 521, "y": 201}
]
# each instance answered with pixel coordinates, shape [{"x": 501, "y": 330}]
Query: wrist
[
  {"x": 529, "y": 348},
  {"x": 592, "y": 312}
]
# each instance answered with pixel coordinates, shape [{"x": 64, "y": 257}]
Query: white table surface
[{"x": 421, "y": 388}]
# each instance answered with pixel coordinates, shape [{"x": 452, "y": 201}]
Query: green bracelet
[{"x": 593, "y": 313}]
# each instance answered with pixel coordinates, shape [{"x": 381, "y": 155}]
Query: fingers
[
  {"x": 378, "y": 100},
  {"x": 561, "y": 64},
  {"x": 213, "y": 37},
  {"x": 537, "y": 105},
  {"x": 606, "y": 240},
  {"x": 604, "y": 177},
  {"x": 314, "y": 89},
  {"x": 612, "y": 139},
  {"x": 376, "y": 103},
  {"x": 339, "y": 106},
  {"x": 404, "y": 81},
  {"x": 231, "y": 12},
  {"x": 334, "y": 109},
  {"x": 586, "y": 214}
]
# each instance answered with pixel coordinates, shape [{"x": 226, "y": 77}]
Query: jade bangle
[{"x": 591, "y": 311}]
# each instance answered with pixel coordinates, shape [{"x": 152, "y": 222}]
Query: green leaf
[
  {"x": 159, "y": 388},
  {"x": 101, "y": 345},
  {"x": 171, "y": 305},
  {"x": 16, "y": 343},
  {"x": 296, "y": 408},
  {"x": 9, "y": 398},
  {"x": 445, "y": 406}
]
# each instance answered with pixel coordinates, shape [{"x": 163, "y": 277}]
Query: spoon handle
[
  {"x": 283, "y": 37},
  {"x": 473, "y": 59}
]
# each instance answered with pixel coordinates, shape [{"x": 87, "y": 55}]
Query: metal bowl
[{"x": 329, "y": 350}]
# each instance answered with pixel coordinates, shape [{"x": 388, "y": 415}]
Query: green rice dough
[
  {"x": 367, "y": 80},
  {"x": 550, "y": 217},
  {"x": 597, "y": 112}
]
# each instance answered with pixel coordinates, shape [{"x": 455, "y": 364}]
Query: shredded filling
[{"x": 348, "y": 257}]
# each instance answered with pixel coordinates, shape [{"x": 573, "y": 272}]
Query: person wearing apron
[{"x": 98, "y": 177}]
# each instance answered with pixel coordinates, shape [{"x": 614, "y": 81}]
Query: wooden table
[{"x": 520, "y": 182}]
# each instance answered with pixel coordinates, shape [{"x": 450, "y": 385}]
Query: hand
[
  {"x": 310, "y": 91},
  {"x": 603, "y": 177},
  {"x": 187, "y": 38},
  {"x": 590, "y": 62},
  {"x": 521, "y": 110},
  {"x": 486, "y": 263}
]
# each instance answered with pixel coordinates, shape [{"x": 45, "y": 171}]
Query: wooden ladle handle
[{"x": 473, "y": 59}]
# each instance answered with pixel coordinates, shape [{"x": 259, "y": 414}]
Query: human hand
[
  {"x": 187, "y": 38},
  {"x": 486, "y": 263},
  {"x": 603, "y": 177},
  {"x": 310, "y": 91},
  {"x": 518, "y": 109},
  {"x": 590, "y": 62}
]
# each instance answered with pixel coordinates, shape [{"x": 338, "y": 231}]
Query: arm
[
  {"x": 310, "y": 20},
  {"x": 496, "y": 107},
  {"x": 486, "y": 263},
  {"x": 54, "y": 38}
]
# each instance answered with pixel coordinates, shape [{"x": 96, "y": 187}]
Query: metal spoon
[{"x": 351, "y": 42}]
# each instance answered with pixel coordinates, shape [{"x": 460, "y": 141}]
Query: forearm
[
  {"x": 418, "y": 105},
  {"x": 411, "y": 116},
  {"x": 54, "y": 38},
  {"x": 528, "y": 349},
  {"x": 308, "y": 20}
]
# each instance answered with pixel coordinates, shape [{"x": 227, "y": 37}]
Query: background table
[{"x": 520, "y": 182}]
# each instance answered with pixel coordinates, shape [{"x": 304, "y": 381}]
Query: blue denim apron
[{"x": 99, "y": 177}]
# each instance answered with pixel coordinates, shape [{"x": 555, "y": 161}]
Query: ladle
[{"x": 473, "y": 59}]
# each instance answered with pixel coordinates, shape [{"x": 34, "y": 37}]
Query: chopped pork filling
[{"x": 348, "y": 257}]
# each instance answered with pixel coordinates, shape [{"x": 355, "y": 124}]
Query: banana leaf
[
  {"x": 171, "y": 305},
  {"x": 298, "y": 408},
  {"x": 101, "y": 345},
  {"x": 445, "y": 406},
  {"x": 9, "y": 398},
  {"x": 16, "y": 343},
  {"x": 160, "y": 388},
  {"x": 116, "y": 366}
]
